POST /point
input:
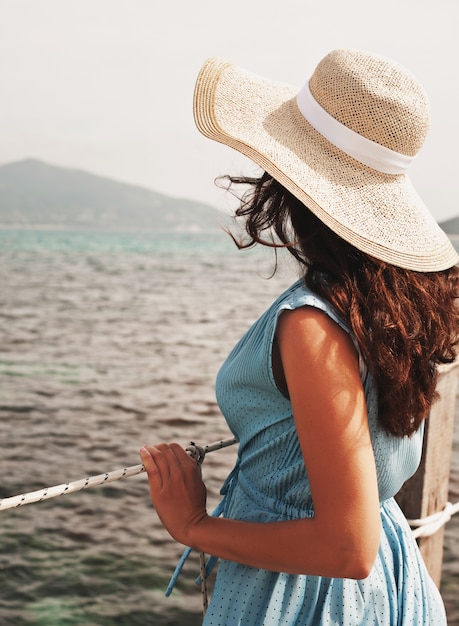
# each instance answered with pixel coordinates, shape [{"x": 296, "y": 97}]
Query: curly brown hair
[{"x": 405, "y": 322}]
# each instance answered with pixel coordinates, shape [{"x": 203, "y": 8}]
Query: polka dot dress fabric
[{"x": 270, "y": 483}]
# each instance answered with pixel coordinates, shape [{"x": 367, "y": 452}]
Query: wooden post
[{"x": 427, "y": 491}]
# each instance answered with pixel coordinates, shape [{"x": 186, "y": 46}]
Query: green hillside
[{"x": 35, "y": 193}]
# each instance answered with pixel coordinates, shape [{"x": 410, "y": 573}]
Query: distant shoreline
[{"x": 196, "y": 230}]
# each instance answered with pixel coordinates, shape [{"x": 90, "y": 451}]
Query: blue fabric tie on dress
[{"x": 226, "y": 491}]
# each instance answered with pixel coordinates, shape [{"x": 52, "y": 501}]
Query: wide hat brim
[{"x": 380, "y": 214}]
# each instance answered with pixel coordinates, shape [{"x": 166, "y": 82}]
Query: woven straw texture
[{"x": 380, "y": 214}]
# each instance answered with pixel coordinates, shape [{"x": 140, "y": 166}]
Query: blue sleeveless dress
[{"x": 270, "y": 483}]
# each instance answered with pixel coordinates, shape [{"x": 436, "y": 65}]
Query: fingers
[
  {"x": 162, "y": 460},
  {"x": 176, "y": 488},
  {"x": 182, "y": 457},
  {"x": 149, "y": 455}
]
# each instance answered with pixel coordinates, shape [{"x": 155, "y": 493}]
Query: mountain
[
  {"x": 451, "y": 227},
  {"x": 35, "y": 193}
]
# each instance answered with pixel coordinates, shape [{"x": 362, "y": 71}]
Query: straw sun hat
[{"x": 342, "y": 145}]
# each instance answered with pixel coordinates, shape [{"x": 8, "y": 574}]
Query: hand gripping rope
[
  {"x": 100, "y": 479},
  {"x": 424, "y": 527},
  {"x": 196, "y": 452}
]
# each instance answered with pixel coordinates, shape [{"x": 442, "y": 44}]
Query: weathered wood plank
[{"x": 427, "y": 491}]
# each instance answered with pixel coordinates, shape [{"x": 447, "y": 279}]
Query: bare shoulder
[{"x": 313, "y": 334}]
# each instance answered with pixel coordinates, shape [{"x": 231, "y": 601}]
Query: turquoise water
[
  {"x": 109, "y": 341},
  {"x": 114, "y": 241}
]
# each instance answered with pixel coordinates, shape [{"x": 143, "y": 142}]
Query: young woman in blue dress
[{"x": 328, "y": 391}]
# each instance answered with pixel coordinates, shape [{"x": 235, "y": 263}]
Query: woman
[{"x": 328, "y": 391}]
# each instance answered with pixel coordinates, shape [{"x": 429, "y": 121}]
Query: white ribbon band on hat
[{"x": 360, "y": 148}]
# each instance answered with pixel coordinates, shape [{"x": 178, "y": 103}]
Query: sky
[{"x": 106, "y": 85}]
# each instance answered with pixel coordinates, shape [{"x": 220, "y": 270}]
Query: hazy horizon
[{"x": 107, "y": 86}]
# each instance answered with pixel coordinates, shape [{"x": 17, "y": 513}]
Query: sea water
[{"x": 109, "y": 341}]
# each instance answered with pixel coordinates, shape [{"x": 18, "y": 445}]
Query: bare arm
[{"x": 321, "y": 370}]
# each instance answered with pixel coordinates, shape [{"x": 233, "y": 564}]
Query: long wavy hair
[{"x": 405, "y": 322}]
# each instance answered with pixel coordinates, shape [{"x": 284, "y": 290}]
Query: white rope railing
[
  {"x": 95, "y": 481},
  {"x": 428, "y": 526},
  {"x": 66, "y": 488},
  {"x": 422, "y": 527}
]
